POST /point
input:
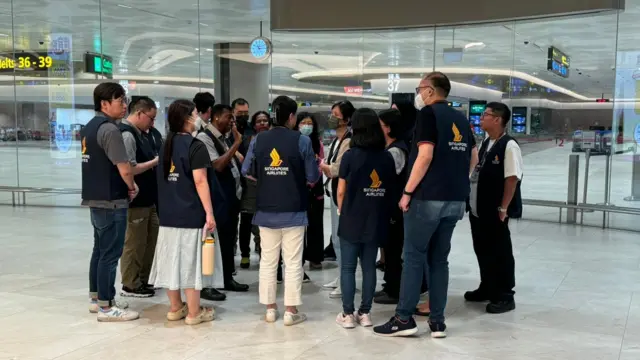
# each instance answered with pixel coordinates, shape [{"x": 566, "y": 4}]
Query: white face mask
[{"x": 419, "y": 102}]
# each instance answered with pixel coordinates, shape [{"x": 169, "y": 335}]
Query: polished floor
[{"x": 578, "y": 297}]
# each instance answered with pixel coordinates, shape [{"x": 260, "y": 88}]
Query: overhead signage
[
  {"x": 558, "y": 62},
  {"x": 98, "y": 64},
  {"x": 353, "y": 90},
  {"x": 603, "y": 100},
  {"x": 25, "y": 61}
]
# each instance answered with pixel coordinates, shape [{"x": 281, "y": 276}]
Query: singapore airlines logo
[
  {"x": 375, "y": 180},
  {"x": 275, "y": 158},
  {"x": 457, "y": 137},
  {"x": 173, "y": 176},
  {"x": 84, "y": 145},
  {"x": 275, "y": 168},
  {"x": 172, "y": 168}
]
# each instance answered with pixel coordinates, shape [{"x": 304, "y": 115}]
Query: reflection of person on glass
[
  {"x": 107, "y": 188},
  {"x": 185, "y": 207}
]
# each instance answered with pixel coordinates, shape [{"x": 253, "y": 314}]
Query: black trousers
[
  {"x": 246, "y": 229},
  {"x": 228, "y": 232},
  {"x": 492, "y": 245},
  {"x": 314, "y": 237}
]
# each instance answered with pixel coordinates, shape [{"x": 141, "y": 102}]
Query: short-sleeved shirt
[
  {"x": 110, "y": 140},
  {"x": 198, "y": 155},
  {"x": 130, "y": 143},
  {"x": 214, "y": 155}
]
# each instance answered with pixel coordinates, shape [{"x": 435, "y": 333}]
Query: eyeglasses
[
  {"x": 423, "y": 87},
  {"x": 150, "y": 117},
  {"x": 488, "y": 114}
]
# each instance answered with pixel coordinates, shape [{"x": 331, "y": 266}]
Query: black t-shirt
[
  {"x": 198, "y": 155},
  {"x": 426, "y": 130}
]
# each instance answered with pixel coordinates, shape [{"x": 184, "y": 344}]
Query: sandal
[
  {"x": 205, "y": 315},
  {"x": 178, "y": 315}
]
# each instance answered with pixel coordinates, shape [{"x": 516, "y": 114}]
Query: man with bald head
[{"x": 443, "y": 152}]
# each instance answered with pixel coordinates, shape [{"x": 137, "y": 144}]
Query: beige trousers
[{"x": 289, "y": 241}]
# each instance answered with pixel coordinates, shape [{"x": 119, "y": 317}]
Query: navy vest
[
  {"x": 447, "y": 178},
  {"x": 155, "y": 139},
  {"x": 179, "y": 205},
  {"x": 491, "y": 181},
  {"x": 101, "y": 179},
  {"x": 333, "y": 156},
  {"x": 225, "y": 178},
  {"x": 367, "y": 205},
  {"x": 146, "y": 181},
  {"x": 279, "y": 166}
]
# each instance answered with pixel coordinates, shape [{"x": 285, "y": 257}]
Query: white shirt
[
  {"x": 399, "y": 158},
  {"x": 512, "y": 167},
  {"x": 213, "y": 154}
]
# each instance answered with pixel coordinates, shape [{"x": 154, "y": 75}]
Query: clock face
[{"x": 260, "y": 48}]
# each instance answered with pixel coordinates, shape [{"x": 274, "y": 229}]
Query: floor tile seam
[
  {"x": 626, "y": 324},
  {"x": 104, "y": 339},
  {"x": 562, "y": 281}
]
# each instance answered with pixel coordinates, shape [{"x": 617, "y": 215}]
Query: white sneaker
[
  {"x": 346, "y": 321},
  {"x": 271, "y": 316},
  {"x": 293, "y": 319},
  {"x": 363, "y": 319},
  {"x": 332, "y": 285},
  {"x": 336, "y": 293},
  {"x": 94, "y": 308},
  {"x": 116, "y": 314}
]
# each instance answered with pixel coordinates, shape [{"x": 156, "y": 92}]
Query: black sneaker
[
  {"x": 476, "y": 296},
  {"x": 385, "y": 299},
  {"x": 140, "y": 292},
  {"x": 501, "y": 307},
  {"x": 212, "y": 294},
  {"x": 379, "y": 293},
  {"x": 306, "y": 279},
  {"x": 396, "y": 327},
  {"x": 438, "y": 330}
]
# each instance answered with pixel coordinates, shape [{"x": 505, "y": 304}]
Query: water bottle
[{"x": 208, "y": 255}]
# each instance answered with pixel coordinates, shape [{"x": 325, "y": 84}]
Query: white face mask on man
[{"x": 419, "y": 102}]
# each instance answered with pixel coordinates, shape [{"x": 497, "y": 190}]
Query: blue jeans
[
  {"x": 109, "y": 228},
  {"x": 428, "y": 227},
  {"x": 367, "y": 252}
]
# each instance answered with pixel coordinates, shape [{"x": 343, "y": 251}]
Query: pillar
[{"x": 237, "y": 74}]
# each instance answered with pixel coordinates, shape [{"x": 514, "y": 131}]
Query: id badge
[{"x": 474, "y": 175}]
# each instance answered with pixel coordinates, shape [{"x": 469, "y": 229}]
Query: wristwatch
[
  {"x": 501, "y": 209},
  {"x": 405, "y": 192}
]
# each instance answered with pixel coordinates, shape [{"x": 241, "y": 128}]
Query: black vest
[
  {"x": 401, "y": 179},
  {"x": 179, "y": 205},
  {"x": 225, "y": 178},
  {"x": 101, "y": 179},
  {"x": 333, "y": 156},
  {"x": 447, "y": 178},
  {"x": 146, "y": 181},
  {"x": 279, "y": 166},
  {"x": 155, "y": 139},
  {"x": 491, "y": 181},
  {"x": 367, "y": 205}
]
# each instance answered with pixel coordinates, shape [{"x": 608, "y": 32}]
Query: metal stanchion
[
  {"x": 607, "y": 188},
  {"x": 572, "y": 187},
  {"x": 635, "y": 180},
  {"x": 587, "y": 158}
]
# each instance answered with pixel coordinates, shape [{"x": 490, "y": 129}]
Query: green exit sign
[{"x": 99, "y": 64}]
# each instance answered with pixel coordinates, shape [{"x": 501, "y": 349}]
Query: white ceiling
[{"x": 132, "y": 31}]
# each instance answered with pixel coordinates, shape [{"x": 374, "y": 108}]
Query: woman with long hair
[
  {"x": 340, "y": 120},
  {"x": 366, "y": 197},
  {"x": 185, "y": 209}
]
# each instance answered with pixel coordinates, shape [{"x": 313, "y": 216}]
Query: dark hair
[
  {"x": 204, "y": 101},
  {"x": 315, "y": 134},
  {"x": 367, "y": 133},
  {"x": 393, "y": 119},
  {"x": 346, "y": 109},
  {"x": 106, "y": 91},
  {"x": 258, "y": 113},
  {"x": 283, "y": 107},
  {"x": 500, "y": 110},
  {"x": 142, "y": 103},
  {"x": 239, "y": 101},
  {"x": 440, "y": 82},
  {"x": 218, "y": 109},
  {"x": 179, "y": 112}
]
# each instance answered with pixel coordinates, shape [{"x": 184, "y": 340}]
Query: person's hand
[
  {"x": 502, "y": 215},
  {"x": 155, "y": 161},
  {"x": 133, "y": 193},
  {"x": 210, "y": 224},
  {"x": 237, "y": 137},
  {"x": 404, "y": 203},
  {"x": 394, "y": 106}
]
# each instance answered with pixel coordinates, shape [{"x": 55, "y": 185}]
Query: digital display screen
[
  {"x": 474, "y": 119},
  {"x": 25, "y": 61},
  {"x": 98, "y": 64},
  {"x": 558, "y": 62},
  {"x": 520, "y": 129},
  {"x": 478, "y": 130},
  {"x": 519, "y": 120}
]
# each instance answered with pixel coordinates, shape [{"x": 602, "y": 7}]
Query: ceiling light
[
  {"x": 197, "y": 49},
  {"x": 294, "y": 45},
  {"x": 203, "y": 24},
  {"x": 156, "y": 82},
  {"x": 196, "y": 61},
  {"x": 474, "y": 44},
  {"x": 4, "y": 35},
  {"x": 125, "y": 6},
  {"x": 209, "y": 49}
]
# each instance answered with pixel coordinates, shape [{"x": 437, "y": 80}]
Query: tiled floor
[{"x": 578, "y": 298}]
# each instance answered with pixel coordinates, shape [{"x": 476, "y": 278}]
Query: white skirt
[{"x": 178, "y": 261}]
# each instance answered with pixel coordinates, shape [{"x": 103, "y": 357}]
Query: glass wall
[
  {"x": 53, "y": 53},
  {"x": 558, "y": 75}
]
